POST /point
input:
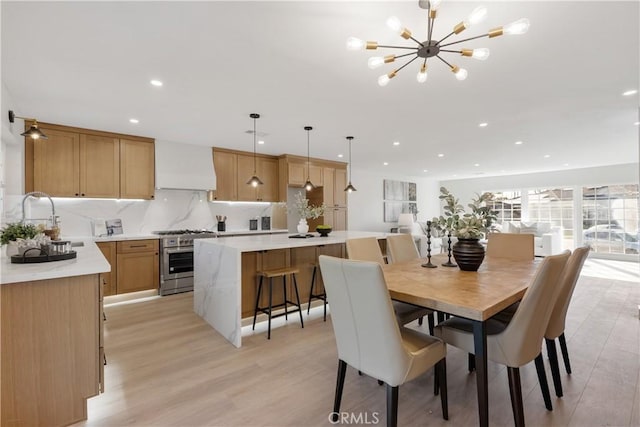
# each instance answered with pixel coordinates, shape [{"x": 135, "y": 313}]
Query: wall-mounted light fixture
[
  {"x": 33, "y": 132},
  {"x": 308, "y": 185},
  {"x": 254, "y": 181}
]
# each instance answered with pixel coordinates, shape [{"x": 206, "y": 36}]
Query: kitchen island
[
  {"x": 52, "y": 343},
  {"x": 225, "y": 272}
]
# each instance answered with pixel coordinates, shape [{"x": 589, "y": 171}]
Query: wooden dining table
[{"x": 475, "y": 295}]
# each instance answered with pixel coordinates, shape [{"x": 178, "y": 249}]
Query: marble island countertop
[
  {"x": 284, "y": 241},
  {"x": 88, "y": 261}
]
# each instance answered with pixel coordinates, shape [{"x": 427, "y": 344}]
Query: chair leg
[
  {"x": 270, "y": 306},
  {"x": 342, "y": 371},
  {"x": 544, "y": 385},
  {"x": 284, "y": 289},
  {"x": 431, "y": 322},
  {"x": 515, "y": 390},
  {"x": 255, "y": 311},
  {"x": 565, "y": 353},
  {"x": 392, "y": 406},
  {"x": 313, "y": 283},
  {"x": 295, "y": 288},
  {"x": 441, "y": 369},
  {"x": 555, "y": 367},
  {"x": 420, "y": 321},
  {"x": 436, "y": 382},
  {"x": 471, "y": 362}
]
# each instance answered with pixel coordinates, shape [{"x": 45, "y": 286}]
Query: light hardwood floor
[{"x": 166, "y": 367}]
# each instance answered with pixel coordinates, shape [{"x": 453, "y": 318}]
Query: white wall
[
  {"x": 366, "y": 204},
  {"x": 466, "y": 189},
  {"x": 11, "y": 149}
]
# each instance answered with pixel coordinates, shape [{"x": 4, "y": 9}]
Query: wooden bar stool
[
  {"x": 270, "y": 274},
  {"x": 321, "y": 296}
]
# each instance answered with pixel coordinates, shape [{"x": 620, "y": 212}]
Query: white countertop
[
  {"x": 250, "y": 232},
  {"x": 282, "y": 241},
  {"x": 89, "y": 261},
  {"x": 121, "y": 237}
]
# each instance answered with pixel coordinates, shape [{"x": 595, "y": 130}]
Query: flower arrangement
[
  {"x": 305, "y": 210},
  {"x": 462, "y": 224}
]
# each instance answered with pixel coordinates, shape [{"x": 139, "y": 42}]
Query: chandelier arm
[
  {"x": 464, "y": 40},
  {"x": 406, "y": 54},
  {"x": 433, "y": 21},
  {"x": 397, "y": 47},
  {"x": 407, "y": 63},
  {"x": 452, "y": 51},
  {"x": 419, "y": 42},
  {"x": 440, "y": 58},
  {"x": 447, "y": 36}
]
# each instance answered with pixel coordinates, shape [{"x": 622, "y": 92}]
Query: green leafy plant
[
  {"x": 465, "y": 225},
  {"x": 323, "y": 227},
  {"x": 17, "y": 230},
  {"x": 305, "y": 210}
]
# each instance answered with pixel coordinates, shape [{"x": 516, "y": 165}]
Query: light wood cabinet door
[
  {"x": 226, "y": 175},
  {"x": 340, "y": 219},
  {"x": 297, "y": 174},
  {"x": 327, "y": 189},
  {"x": 339, "y": 184},
  {"x": 56, "y": 164},
  {"x": 99, "y": 166},
  {"x": 109, "y": 279},
  {"x": 137, "y": 169},
  {"x": 268, "y": 173},
  {"x": 246, "y": 192},
  {"x": 138, "y": 266}
]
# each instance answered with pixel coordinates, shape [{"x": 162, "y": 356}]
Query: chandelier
[{"x": 431, "y": 47}]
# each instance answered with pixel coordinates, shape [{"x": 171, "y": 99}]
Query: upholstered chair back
[
  {"x": 567, "y": 285},
  {"x": 364, "y": 249},
  {"x": 510, "y": 245},
  {"x": 402, "y": 248},
  {"x": 367, "y": 334}
]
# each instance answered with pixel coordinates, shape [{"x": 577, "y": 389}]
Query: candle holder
[
  {"x": 449, "y": 263},
  {"x": 428, "y": 264}
]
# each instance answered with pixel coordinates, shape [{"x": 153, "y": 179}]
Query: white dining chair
[
  {"x": 368, "y": 249},
  {"x": 520, "y": 341},
  {"x": 369, "y": 338}
]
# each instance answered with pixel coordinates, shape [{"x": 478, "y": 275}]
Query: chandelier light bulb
[
  {"x": 520, "y": 26},
  {"x": 422, "y": 74},
  {"x": 477, "y": 16},
  {"x": 434, "y": 4},
  {"x": 460, "y": 73},
  {"x": 383, "y": 80},
  {"x": 394, "y": 23},
  {"x": 355, "y": 44},
  {"x": 375, "y": 62},
  {"x": 480, "y": 53}
]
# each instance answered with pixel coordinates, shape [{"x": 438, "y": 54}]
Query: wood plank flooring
[{"x": 166, "y": 367}]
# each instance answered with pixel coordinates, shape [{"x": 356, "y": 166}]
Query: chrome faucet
[{"x": 38, "y": 194}]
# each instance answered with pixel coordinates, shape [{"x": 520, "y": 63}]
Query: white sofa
[{"x": 547, "y": 240}]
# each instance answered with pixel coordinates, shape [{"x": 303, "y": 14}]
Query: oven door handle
[{"x": 178, "y": 251}]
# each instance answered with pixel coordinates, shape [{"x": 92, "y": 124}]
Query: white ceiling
[{"x": 557, "y": 88}]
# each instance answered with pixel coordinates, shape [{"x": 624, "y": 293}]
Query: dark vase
[{"x": 468, "y": 253}]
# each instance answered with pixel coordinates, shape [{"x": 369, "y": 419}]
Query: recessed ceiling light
[
  {"x": 260, "y": 142},
  {"x": 340, "y": 155},
  {"x": 134, "y": 121},
  {"x": 476, "y": 164},
  {"x": 636, "y": 123},
  {"x": 440, "y": 155},
  {"x": 396, "y": 142},
  {"x": 157, "y": 83},
  {"x": 386, "y": 164},
  {"x": 483, "y": 125},
  {"x": 630, "y": 92},
  {"x": 425, "y": 170},
  {"x": 518, "y": 142},
  {"x": 546, "y": 156},
  {"x": 566, "y": 164}
]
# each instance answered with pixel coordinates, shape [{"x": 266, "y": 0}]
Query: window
[
  {"x": 508, "y": 204},
  {"x": 554, "y": 205}
]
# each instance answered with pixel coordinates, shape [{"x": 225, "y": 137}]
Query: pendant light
[
  {"x": 254, "y": 181},
  {"x": 350, "y": 188},
  {"x": 308, "y": 185}
]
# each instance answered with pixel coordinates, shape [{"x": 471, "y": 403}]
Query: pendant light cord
[
  {"x": 254, "y": 146},
  {"x": 308, "y": 162}
]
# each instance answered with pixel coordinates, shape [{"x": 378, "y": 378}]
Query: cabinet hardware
[{"x": 138, "y": 246}]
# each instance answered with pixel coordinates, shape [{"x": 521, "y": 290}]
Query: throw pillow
[
  {"x": 512, "y": 227},
  {"x": 531, "y": 228},
  {"x": 543, "y": 228}
]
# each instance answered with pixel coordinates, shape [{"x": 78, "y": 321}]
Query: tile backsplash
[{"x": 172, "y": 209}]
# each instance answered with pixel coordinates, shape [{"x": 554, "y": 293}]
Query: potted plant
[
  {"x": 306, "y": 211},
  {"x": 19, "y": 237},
  {"x": 468, "y": 227},
  {"x": 323, "y": 229}
]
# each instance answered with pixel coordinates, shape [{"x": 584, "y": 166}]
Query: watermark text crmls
[{"x": 354, "y": 418}]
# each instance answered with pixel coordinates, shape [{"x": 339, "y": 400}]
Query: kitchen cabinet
[
  {"x": 336, "y": 218},
  {"x": 51, "y": 364},
  {"x": 109, "y": 279},
  {"x": 137, "y": 169},
  {"x": 138, "y": 267},
  {"x": 235, "y": 168},
  {"x": 76, "y": 162},
  {"x": 297, "y": 176},
  {"x": 335, "y": 181}
]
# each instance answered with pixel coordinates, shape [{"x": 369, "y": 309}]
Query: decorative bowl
[{"x": 324, "y": 231}]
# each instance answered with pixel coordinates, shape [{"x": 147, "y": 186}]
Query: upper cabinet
[
  {"x": 235, "y": 168},
  {"x": 77, "y": 162}
]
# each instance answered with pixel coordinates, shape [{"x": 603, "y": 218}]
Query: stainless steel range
[{"x": 176, "y": 259}]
